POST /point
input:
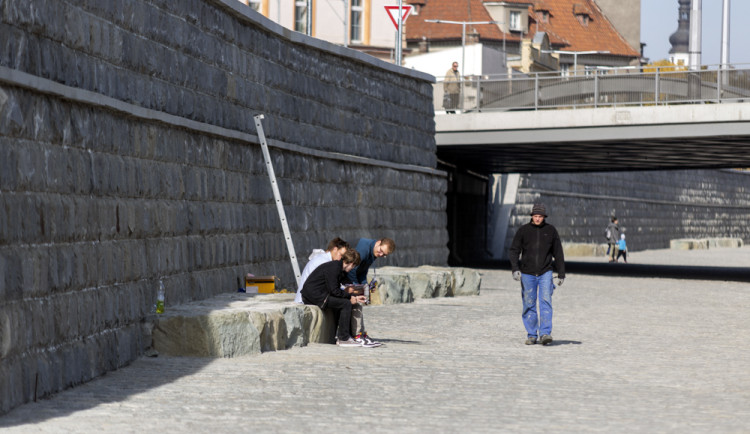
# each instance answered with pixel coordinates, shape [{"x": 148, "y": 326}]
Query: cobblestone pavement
[{"x": 643, "y": 354}]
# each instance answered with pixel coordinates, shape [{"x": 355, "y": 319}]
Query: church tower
[{"x": 680, "y": 40}]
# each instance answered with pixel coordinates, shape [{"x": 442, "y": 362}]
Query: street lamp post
[
  {"x": 463, "y": 45},
  {"x": 725, "y": 35},
  {"x": 463, "y": 36}
]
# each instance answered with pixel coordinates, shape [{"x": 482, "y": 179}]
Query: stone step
[
  {"x": 704, "y": 243},
  {"x": 238, "y": 324},
  {"x": 584, "y": 249}
]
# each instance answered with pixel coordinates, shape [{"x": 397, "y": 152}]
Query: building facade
[
  {"x": 363, "y": 25},
  {"x": 577, "y": 33},
  {"x": 679, "y": 54},
  {"x": 625, "y": 15}
]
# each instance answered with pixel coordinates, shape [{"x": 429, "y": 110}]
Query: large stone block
[
  {"x": 231, "y": 325},
  {"x": 584, "y": 249},
  {"x": 688, "y": 244},
  {"x": 403, "y": 285},
  {"x": 725, "y": 242},
  {"x": 466, "y": 281}
]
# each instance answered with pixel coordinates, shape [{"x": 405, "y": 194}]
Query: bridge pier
[{"x": 504, "y": 191}]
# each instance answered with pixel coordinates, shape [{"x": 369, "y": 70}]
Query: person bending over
[{"x": 369, "y": 250}]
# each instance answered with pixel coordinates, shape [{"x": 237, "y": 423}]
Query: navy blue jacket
[{"x": 365, "y": 247}]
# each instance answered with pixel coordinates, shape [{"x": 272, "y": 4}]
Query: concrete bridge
[
  {"x": 501, "y": 162},
  {"x": 686, "y": 136}
]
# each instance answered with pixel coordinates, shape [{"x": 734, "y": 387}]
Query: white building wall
[
  {"x": 331, "y": 20},
  {"x": 479, "y": 59}
]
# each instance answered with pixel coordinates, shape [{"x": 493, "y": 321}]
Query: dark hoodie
[
  {"x": 324, "y": 281},
  {"x": 534, "y": 247}
]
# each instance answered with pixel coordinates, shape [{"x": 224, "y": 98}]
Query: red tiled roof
[
  {"x": 452, "y": 10},
  {"x": 564, "y": 29},
  {"x": 599, "y": 34},
  {"x": 580, "y": 8}
]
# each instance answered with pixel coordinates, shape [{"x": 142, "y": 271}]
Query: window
[
  {"x": 565, "y": 69},
  {"x": 355, "y": 30},
  {"x": 583, "y": 19},
  {"x": 300, "y": 16},
  {"x": 544, "y": 16},
  {"x": 515, "y": 21}
]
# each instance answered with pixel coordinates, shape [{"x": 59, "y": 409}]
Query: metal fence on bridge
[{"x": 641, "y": 86}]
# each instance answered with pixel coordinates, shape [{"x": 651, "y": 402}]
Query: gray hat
[{"x": 539, "y": 209}]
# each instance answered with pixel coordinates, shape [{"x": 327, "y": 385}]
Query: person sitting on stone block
[
  {"x": 336, "y": 248},
  {"x": 323, "y": 289},
  {"x": 369, "y": 250}
]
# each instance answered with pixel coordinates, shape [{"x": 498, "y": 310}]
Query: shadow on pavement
[
  {"x": 562, "y": 342},
  {"x": 400, "y": 341},
  {"x": 155, "y": 372},
  {"x": 688, "y": 272}
]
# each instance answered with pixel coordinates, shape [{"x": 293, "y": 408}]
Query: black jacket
[
  {"x": 323, "y": 282},
  {"x": 533, "y": 249}
]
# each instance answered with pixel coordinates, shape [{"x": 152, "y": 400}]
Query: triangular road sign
[{"x": 393, "y": 12}]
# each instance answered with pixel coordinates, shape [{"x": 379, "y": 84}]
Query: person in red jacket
[
  {"x": 323, "y": 289},
  {"x": 534, "y": 246}
]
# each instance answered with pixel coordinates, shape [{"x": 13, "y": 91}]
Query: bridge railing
[{"x": 599, "y": 87}]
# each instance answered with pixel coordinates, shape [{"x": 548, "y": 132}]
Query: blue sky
[{"x": 659, "y": 21}]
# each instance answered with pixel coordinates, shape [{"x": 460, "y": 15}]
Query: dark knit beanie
[{"x": 539, "y": 209}]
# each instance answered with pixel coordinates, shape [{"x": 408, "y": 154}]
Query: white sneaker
[{"x": 348, "y": 343}]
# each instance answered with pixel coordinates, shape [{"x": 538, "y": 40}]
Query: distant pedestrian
[
  {"x": 534, "y": 247},
  {"x": 451, "y": 89},
  {"x": 612, "y": 233},
  {"x": 622, "y": 249}
]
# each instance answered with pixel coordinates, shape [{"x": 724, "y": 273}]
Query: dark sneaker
[
  {"x": 530, "y": 341},
  {"x": 371, "y": 342},
  {"x": 546, "y": 339},
  {"x": 348, "y": 343},
  {"x": 366, "y": 342}
]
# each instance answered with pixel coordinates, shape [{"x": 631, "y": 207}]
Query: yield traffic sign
[{"x": 393, "y": 12}]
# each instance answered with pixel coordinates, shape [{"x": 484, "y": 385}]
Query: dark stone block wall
[
  {"x": 653, "y": 207},
  {"x": 128, "y": 154}
]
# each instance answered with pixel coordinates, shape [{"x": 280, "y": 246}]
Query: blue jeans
[{"x": 540, "y": 287}]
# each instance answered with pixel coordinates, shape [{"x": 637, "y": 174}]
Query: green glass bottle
[{"x": 160, "y": 298}]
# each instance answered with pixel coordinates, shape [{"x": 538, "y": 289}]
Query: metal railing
[{"x": 641, "y": 86}]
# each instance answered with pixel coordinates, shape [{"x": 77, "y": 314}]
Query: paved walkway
[{"x": 631, "y": 354}]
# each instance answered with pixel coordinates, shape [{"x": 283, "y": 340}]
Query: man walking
[{"x": 534, "y": 247}]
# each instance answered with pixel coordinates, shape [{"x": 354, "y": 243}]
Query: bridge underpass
[
  {"x": 595, "y": 140},
  {"x": 487, "y": 153}
]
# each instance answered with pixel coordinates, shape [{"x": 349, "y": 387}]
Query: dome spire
[{"x": 680, "y": 39}]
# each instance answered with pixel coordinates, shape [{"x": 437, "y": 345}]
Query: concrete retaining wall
[{"x": 128, "y": 154}]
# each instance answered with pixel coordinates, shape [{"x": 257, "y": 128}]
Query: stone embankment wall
[
  {"x": 653, "y": 207},
  {"x": 128, "y": 154}
]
